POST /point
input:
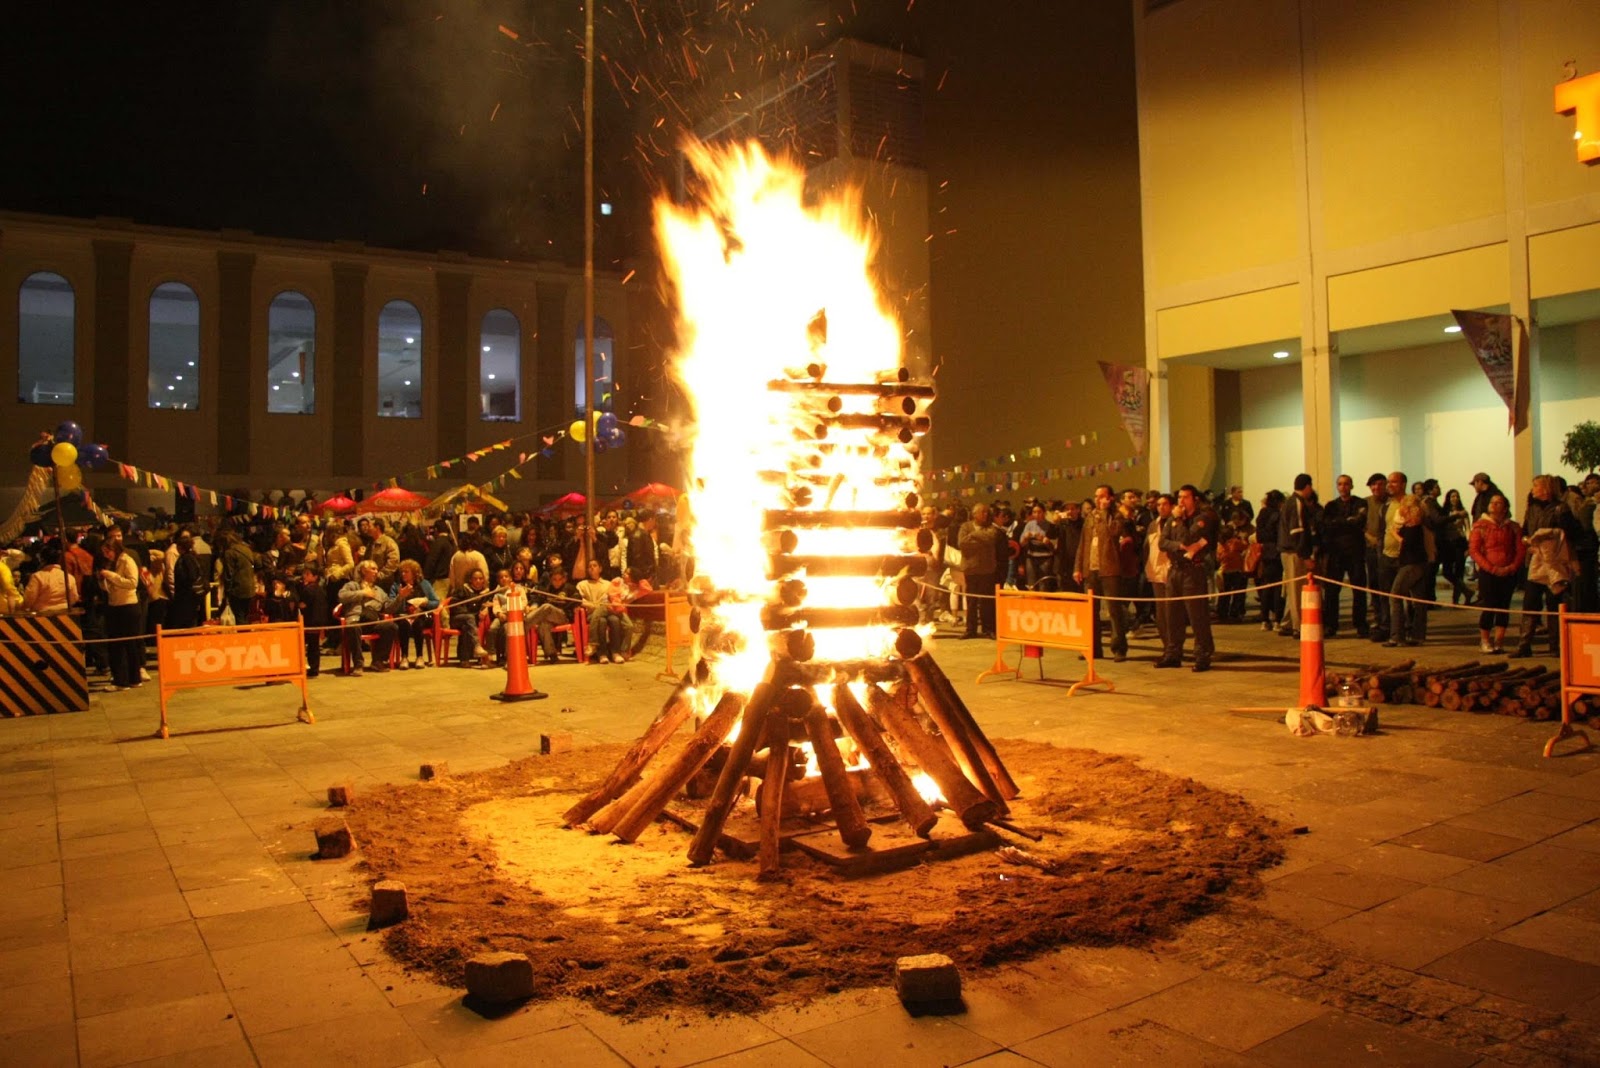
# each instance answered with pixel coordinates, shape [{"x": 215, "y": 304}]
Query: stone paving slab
[{"x": 1443, "y": 908}]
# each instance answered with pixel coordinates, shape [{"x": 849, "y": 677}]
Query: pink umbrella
[
  {"x": 568, "y": 505},
  {"x": 653, "y": 495},
  {"x": 396, "y": 499},
  {"x": 340, "y": 505}
]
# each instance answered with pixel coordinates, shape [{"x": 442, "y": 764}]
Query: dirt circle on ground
[{"x": 634, "y": 929}]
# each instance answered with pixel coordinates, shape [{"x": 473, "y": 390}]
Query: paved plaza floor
[{"x": 1442, "y": 908}]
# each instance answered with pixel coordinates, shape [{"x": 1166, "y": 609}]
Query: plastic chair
[
  {"x": 443, "y": 633},
  {"x": 368, "y": 637},
  {"x": 577, "y": 630}
]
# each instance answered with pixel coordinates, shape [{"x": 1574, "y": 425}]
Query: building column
[
  {"x": 552, "y": 397},
  {"x": 349, "y": 401},
  {"x": 459, "y": 363},
  {"x": 235, "y": 279},
  {"x": 1319, "y": 388},
  {"x": 113, "y": 324}
]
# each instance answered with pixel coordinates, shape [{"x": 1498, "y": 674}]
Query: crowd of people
[
  {"x": 352, "y": 582},
  {"x": 1182, "y": 561},
  {"x": 1179, "y": 562}
]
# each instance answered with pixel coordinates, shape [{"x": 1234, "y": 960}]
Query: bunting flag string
[{"x": 548, "y": 439}]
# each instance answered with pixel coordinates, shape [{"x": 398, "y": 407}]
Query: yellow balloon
[
  {"x": 64, "y": 453},
  {"x": 578, "y": 431},
  {"x": 68, "y": 476}
]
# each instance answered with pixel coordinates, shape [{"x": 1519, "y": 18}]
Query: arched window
[
  {"x": 400, "y": 360},
  {"x": 603, "y": 356},
  {"x": 291, "y": 354},
  {"x": 46, "y": 324},
  {"x": 500, "y": 366},
  {"x": 174, "y": 380}
]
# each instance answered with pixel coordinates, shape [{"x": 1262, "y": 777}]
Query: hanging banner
[
  {"x": 1130, "y": 389},
  {"x": 1500, "y": 342}
]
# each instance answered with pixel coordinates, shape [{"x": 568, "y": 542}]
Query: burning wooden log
[
  {"x": 781, "y": 565},
  {"x": 780, "y": 518},
  {"x": 751, "y": 730},
  {"x": 905, "y": 426},
  {"x": 678, "y": 706},
  {"x": 853, "y": 389},
  {"x": 926, "y": 675},
  {"x": 772, "y": 783},
  {"x": 914, "y": 808},
  {"x": 853, "y": 829},
  {"x": 933, "y": 756},
  {"x": 659, "y": 789},
  {"x": 779, "y": 617}
]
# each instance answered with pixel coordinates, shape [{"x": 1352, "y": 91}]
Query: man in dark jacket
[
  {"x": 1098, "y": 567},
  {"x": 1486, "y": 493},
  {"x": 1189, "y": 538},
  {"x": 1344, "y": 556},
  {"x": 1298, "y": 543}
]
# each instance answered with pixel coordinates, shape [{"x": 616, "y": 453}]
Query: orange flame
[{"x": 769, "y": 280}]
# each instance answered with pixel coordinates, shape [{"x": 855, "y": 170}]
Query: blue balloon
[
  {"x": 40, "y": 454},
  {"x": 92, "y": 455},
  {"x": 606, "y": 422},
  {"x": 70, "y": 431}
]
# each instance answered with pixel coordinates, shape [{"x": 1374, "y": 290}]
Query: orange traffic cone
[
  {"x": 518, "y": 686},
  {"x": 1313, "y": 675}
]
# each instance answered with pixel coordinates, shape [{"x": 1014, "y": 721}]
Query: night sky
[{"x": 445, "y": 124}]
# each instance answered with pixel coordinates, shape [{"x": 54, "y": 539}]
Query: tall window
[
  {"x": 174, "y": 347},
  {"x": 400, "y": 360},
  {"x": 602, "y": 368},
  {"x": 46, "y": 318},
  {"x": 500, "y": 366},
  {"x": 291, "y": 354}
]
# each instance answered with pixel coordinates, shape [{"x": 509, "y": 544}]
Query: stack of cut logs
[{"x": 1532, "y": 692}]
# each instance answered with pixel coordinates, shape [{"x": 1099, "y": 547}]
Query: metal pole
[{"x": 587, "y": 545}]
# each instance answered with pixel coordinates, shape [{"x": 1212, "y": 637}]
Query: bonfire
[{"x": 809, "y": 675}]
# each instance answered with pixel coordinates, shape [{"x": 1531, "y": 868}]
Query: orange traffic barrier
[{"x": 518, "y": 686}]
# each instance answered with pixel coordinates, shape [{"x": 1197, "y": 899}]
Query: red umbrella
[
  {"x": 396, "y": 499},
  {"x": 569, "y": 505},
  {"x": 653, "y": 495},
  {"x": 340, "y": 505}
]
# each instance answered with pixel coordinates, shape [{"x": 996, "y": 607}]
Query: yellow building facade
[{"x": 1322, "y": 182}]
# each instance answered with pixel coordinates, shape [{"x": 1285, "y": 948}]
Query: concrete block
[
  {"x": 333, "y": 840},
  {"x": 497, "y": 978},
  {"x": 556, "y": 742},
  {"x": 930, "y": 977},
  {"x": 437, "y": 770},
  {"x": 338, "y": 796},
  {"x": 388, "y": 903}
]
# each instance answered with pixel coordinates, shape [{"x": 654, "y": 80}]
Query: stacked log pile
[{"x": 1495, "y": 686}]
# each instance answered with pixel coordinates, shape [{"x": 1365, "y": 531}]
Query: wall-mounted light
[
  {"x": 411, "y": 341},
  {"x": 491, "y": 378},
  {"x": 1281, "y": 354},
  {"x": 486, "y": 348},
  {"x": 1452, "y": 329}
]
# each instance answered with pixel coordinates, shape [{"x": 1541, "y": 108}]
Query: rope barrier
[{"x": 1110, "y": 597}]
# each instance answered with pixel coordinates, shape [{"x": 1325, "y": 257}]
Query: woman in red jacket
[{"x": 1497, "y": 550}]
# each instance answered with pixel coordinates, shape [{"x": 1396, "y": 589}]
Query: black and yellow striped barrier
[{"x": 41, "y": 666}]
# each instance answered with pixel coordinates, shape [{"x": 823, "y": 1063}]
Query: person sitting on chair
[
  {"x": 362, "y": 600},
  {"x": 555, "y": 606}
]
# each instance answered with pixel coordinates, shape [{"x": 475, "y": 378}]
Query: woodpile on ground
[{"x": 1497, "y": 686}]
